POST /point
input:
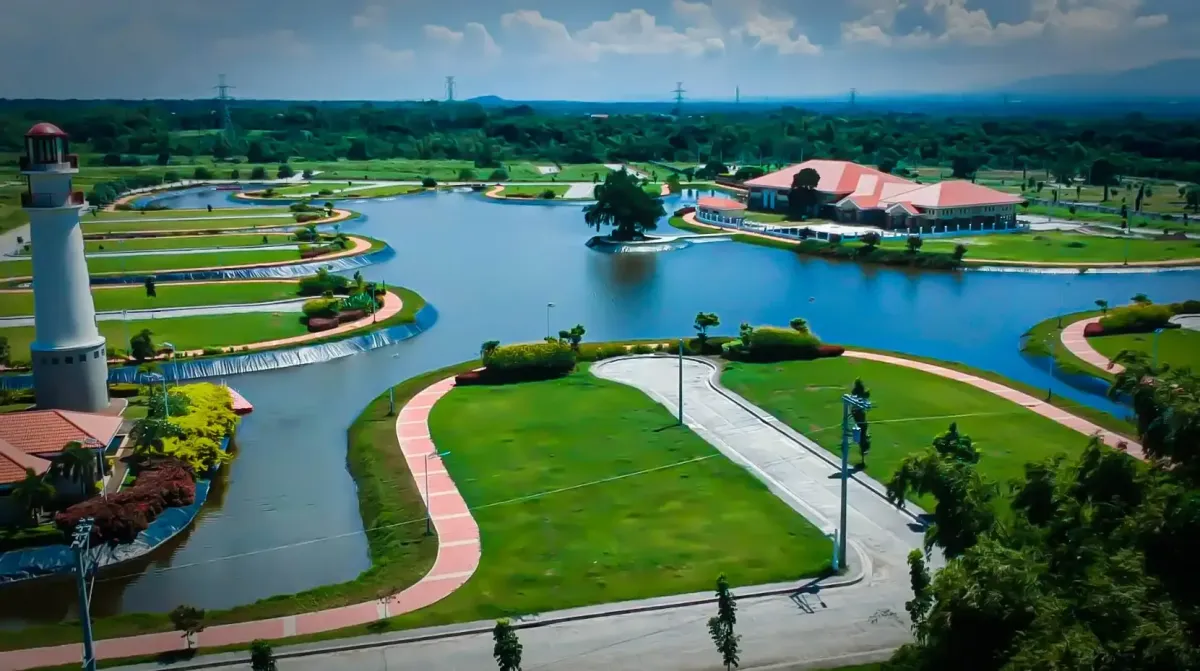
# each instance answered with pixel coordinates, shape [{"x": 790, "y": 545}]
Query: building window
[
  {"x": 96, "y": 354},
  {"x": 54, "y": 361},
  {"x": 67, "y": 360}
]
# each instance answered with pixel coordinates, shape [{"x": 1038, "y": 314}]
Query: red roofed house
[
  {"x": 855, "y": 193},
  {"x": 721, "y": 211},
  {"x": 31, "y": 440}
]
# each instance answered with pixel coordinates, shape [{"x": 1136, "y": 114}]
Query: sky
[{"x": 569, "y": 49}]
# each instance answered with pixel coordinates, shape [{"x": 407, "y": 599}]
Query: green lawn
[
  {"x": 217, "y": 213},
  {"x": 609, "y": 527},
  {"x": 381, "y": 191},
  {"x": 1059, "y": 247},
  {"x": 1177, "y": 347},
  {"x": 115, "y": 297},
  {"x": 766, "y": 217},
  {"x": 911, "y": 408},
  {"x": 528, "y": 172},
  {"x": 185, "y": 242},
  {"x": 536, "y": 191},
  {"x": 188, "y": 333},
  {"x": 163, "y": 263},
  {"x": 91, "y": 227}
]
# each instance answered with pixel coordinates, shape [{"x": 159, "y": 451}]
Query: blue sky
[{"x": 562, "y": 49}]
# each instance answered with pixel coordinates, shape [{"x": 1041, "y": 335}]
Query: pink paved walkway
[
  {"x": 457, "y": 559},
  {"x": 1073, "y": 339},
  {"x": 1021, "y": 398}
]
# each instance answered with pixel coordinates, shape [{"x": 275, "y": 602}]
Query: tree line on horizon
[{"x": 1061, "y": 147}]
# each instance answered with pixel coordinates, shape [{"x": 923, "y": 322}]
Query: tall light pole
[
  {"x": 81, "y": 544},
  {"x": 548, "y": 308},
  {"x": 681, "y": 382},
  {"x": 850, "y": 431},
  {"x": 174, "y": 372},
  {"x": 428, "y": 498},
  {"x": 1154, "y": 360},
  {"x": 1050, "y": 384}
]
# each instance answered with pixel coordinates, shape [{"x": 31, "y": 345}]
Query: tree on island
[
  {"x": 189, "y": 620},
  {"x": 622, "y": 204},
  {"x": 705, "y": 321},
  {"x": 720, "y": 626},
  {"x": 507, "y": 648},
  {"x": 151, "y": 290},
  {"x": 802, "y": 197}
]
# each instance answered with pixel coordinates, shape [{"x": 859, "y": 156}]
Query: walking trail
[
  {"x": 1073, "y": 339},
  {"x": 457, "y": 559},
  {"x": 285, "y": 305}
]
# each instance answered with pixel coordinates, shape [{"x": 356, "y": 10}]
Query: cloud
[
  {"x": 636, "y": 32},
  {"x": 443, "y": 34},
  {"x": 474, "y": 37},
  {"x": 372, "y": 16},
  {"x": 1150, "y": 21},
  {"x": 774, "y": 32},
  {"x": 379, "y": 54},
  {"x": 282, "y": 44}
]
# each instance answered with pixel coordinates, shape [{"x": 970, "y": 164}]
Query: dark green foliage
[
  {"x": 803, "y": 195},
  {"x": 720, "y": 626},
  {"x": 960, "y": 250},
  {"x": 622, "y": 204},
  {"x": 321, "y": 307},
  {"x": 5, "y": 351},
  {"x": 262, "y": 657},
  {"x": 324, "y": 281},
  {"x": 914, "y": 243},
  {"x": 539, "y": 361},
  {"x": 141, "y": 345},
  {"x": 189, "y": 620},
  {"x": 704, "y": 321},
  {"x": 507, "y": 648},
  {"x": 202, "y": 172},
  {"x": 548, "y": 194},
  {"x": 258, "y": 173},
  {"x": 1137, "y": 318},
  {"x": 573, "y": 337},
  {"x": 285, "y": 171},
  {"x": 768, "y": 343},
  {"x": 429, "y": 182},
  {"x": 887, "y": 257},
  {"x": 870, "y": 240}
]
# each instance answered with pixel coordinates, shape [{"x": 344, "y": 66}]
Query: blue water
[{"x": 491, "y": 268}]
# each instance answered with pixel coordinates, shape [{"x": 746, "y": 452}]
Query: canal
[{"x": 284, "y": 516}]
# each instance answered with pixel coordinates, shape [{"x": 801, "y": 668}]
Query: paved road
[
  {"x": 580, "y": 190},
  {"x": 1191, "y": 322},
  {"x": 289, "y": 305}
]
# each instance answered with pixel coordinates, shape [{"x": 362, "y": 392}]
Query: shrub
[
  {"x": 498, "y": 175},
  {"x": 1075, "y": 244},
  {"x": 323, "y": 281},
  {"x": 321, "y": 307},
  {"x": 548, "y": 194},
  {"x": 164, "y": 483},
  {"x": 1140, "y": 318},
  {"x": 1188, "y": 307},
  {"x": 531, "y": 362},
  {"x": 599, "y": 352},
  {"x": 429, "y": 182},
  {"x": 123, "y": 390},
  {"x": 325, "y": 192},
  {"x": 642, "y": 349},
  {"x": 305, "y": 217},
  {"x": 123, "y": 207},
  {"x": 210, "y": 351},
  {"x": 769, "y": 343}
]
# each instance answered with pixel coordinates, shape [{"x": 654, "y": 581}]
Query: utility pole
[
  {"x": 84, "y": 569},
  {"x": 737, "y": 95},
  {"x": 224, "y": 101},
  {"x": 853, "y": 97},
  {"x": 450, "y": 89},
  {"x": 679, "y": 91},
  {"x": 681, "y": 382},
  {"x": 850, "y": 431}
]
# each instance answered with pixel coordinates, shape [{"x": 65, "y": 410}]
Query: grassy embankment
[
  {"x": 1045, "y": 337},
  {"x": 216, "y": 213},
  {"x": 170, "y": 295},
  {"x": 1178, "y": 347},
  {"x": 534, "y": 192},
  {"x": 1058, "y": 247},
  {"x": 911, "y": 407}
]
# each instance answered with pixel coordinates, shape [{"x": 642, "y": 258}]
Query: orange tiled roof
[
  {"x": 954, "y": 193},
  {"x": 715, "y": 203},
  {"x": 14, "y": 462},
  {"x": 837, "y": 177},
  {"x": 47, "y": 431}
]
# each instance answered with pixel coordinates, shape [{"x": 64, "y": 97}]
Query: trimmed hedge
[
  {"x": 321, "y": 307},
  {"x": 886, "y": 257},
  {"x": 770, "y": 344},
  {"x": 521, "y": 363},
  {"x": 315, "y": 285},
  {"x": 1136, "y": 319},
  {"x": 164, "y": 483}
]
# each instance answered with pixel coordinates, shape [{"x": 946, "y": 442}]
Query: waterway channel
[{"x": 491, "y": 269}]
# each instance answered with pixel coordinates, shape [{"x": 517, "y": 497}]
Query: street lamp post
[
  {"x": 428, "y": 498},
  {"x": 681, "y": 382},
  {"x": 548, "y": 307},
  {"x": 850, "y": 431},
  {"x": 174, "y": 372},
  {"x": 1154, "y": 360},
  {"x": 81, "y": 543}
]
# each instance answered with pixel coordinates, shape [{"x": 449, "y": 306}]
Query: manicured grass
[
  {"x": 110, "y": 297},
  {"x": 586, "y": 492},
  {"x": 380, "y": 192},
  {"x": 910, "y": 408},
  {"x": 163, "y": 263},
  {"x": 187, "y": 333},
  {"x": 766, "y": 217},
  {"x": 1059, "y": 247},
  {"x": 216, "y": 213},
  {"x": 391, "y": 509},
  {"x": 535, "y": 192},
  {"x": 1177, "y": 347},
  {"x": 92, "y": 227},
  {"x": 1045, "y": 338},
  {"x": 186, "y": 242},
  {"x": 577, "y": 172}
]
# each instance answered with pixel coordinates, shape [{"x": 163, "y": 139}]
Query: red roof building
[
  {"x": 850, "y": 192},
  {"x": 32, "y": 439},
  {"x": 721, "y": 211}
]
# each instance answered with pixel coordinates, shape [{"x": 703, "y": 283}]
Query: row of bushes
[
  {"x": 767, "y": 344},
  {"x": 196, "y": 440},
  {"x": 162, "y": 483},
  {"x": 324, "y": 282},
  {"x": 1140, "y": 318},
  {"x": 522, "y": 363},
  {"x": 886, "y": 257}
]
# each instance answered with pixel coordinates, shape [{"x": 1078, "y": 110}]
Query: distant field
[
  {"x": 170, "y": 295},
  {"x": 217, "y": 213},
  {"x": 1054, "y": 246},
  {"x": 381, "y": 191},
  {"x": 187, "y": 242}
]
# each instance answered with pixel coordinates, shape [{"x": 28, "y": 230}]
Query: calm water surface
[{"x": 491, "y": 268}]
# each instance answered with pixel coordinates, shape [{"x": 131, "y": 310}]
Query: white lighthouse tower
[{"x": 70, "y": 366}]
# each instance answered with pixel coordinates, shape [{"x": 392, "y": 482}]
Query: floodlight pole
[
  {"x": 681, "y": 382},
  {"x": 849, "y": 431},
  {"x": 80, "y": 542}
]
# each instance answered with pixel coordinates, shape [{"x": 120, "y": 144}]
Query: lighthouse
[{"x": 70, "y": 366}]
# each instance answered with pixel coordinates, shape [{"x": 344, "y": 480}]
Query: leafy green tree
[
  {"x": 963, "y": 166},
  {"x": 703, "y": 322},
  {"x": 429, "y": 183},
  {"x": 466, "y": 175},
  {"x": 1103, "y": 305},
  {"x": 498, "y": 175},
  {"x": 235, "y": 174},
  {"x": 202, "y": 172},
  {"x": 1141, "y": 299},
  {"x": 859, "y": 416},
  {"x": 256, "y": 154},
  {"x": 141, "y": 346},
  {"x": 487, "y": 348},
  {"x": 914, "y": 243},
  {"x": 803, "y": 195},
  {"x": 285, "y": 171},
  {"x": 307, "y": 174},
  {"x": 262, "y": 656},
  {"x": 870, "y": 241},
  {"x": 799, "y": 324},
  {"x": 573, "y": 337},
  {"x": 32, "y": 494},
  {"x": 1103, "y": 173},
  {"x": 507, "y": 648},
  {"x": 673, "y": 184},
  {"x": 960, "y": 250},
  {"x": 1193, "y": 198},
  {"x": 151, "y": 290},
  {"x": 720, "y": 626},
  {"x": 76, "y": 464},
  {"x": 622, "y": 204},
  {"x": 920, "y": 581},
  {"x": 189, "y": 620},
  {"x": 170, "y": 177},
  {"x": 712, "y": 169},
  {"x": 258, "y": 173}
]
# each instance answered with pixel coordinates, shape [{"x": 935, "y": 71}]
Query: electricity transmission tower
[
  {"x": 450, "y": 89},
  {"x": 853, "y": 96},
  {"x": 737, "y": 95},
  {"x": 679, "y": 98},
  {"x": 224, "y": 103}
]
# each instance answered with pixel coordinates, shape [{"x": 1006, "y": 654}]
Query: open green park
[
  {"x": 535, "y": 191},
  {"x": 111, "y": 297},
  {"x": 148, "y": 224},
  {"x": 1059, "y": 247},
  {"x": 1177, "y": 347},
  {"x": 168, "y": 242},
  {"x": 154, "y": 263},
  {"x": 151, "y": 214}
]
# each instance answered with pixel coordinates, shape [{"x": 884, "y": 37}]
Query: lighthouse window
[
  {"x": 67, "y": 360},
  {"x": 96, "y": 354},
  {"x": 54, "y": 361}
]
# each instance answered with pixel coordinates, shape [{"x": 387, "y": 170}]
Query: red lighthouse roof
[{"x": 45, "y": 129}]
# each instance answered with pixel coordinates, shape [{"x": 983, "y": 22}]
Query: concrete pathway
[
  {"x": 286, "y": 305},
  {"x": 457, "y": 559},
  {"x": 1073, "y": 339},
  {"x": 581, "y": 191},
  {"x": 1190, "y": 322}
]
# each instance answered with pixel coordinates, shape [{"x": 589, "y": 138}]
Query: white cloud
[
  {"x": 775, "y": 32},
  {"x": 1150, "y": 21},
  {"x": 474, "y": 36},
  {"x": 635, "y": 32},
  {"x": 388, "y": 57},
  {"x": 477, "y": 34},
  {"x": 372, "y": 16},
  {"x": 283, "y": 43},
  {"x": 443, "y": 34}
]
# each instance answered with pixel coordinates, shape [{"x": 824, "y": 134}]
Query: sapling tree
[
  {"x": 189, "y": 620},
  {"x": 262, "y": 657},
  {"x": 1103, "y": 305},
  {"x": 151, "y": 290},
  {"x": 705, "y": 321},
  {"x": 860, "y": 419},
  {"x": 720, "y": 626},
  {"x": 507, "y": 648}
]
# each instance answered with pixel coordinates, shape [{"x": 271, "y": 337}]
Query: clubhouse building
[{"x": 850, "y": 193}]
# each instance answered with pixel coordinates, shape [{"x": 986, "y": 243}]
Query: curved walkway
[
  {"x": 457, "y": 559},
  {"x": 285, "y": 305},
  {"x": 1073, "y": 339},
  {"x": 339, "y": 215}
]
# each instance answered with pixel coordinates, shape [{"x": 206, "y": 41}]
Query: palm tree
[
  {"x": 77, "y": 464},
  {"x": 33, "y": 494}
]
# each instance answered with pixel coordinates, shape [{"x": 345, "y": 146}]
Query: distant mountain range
[{"x": 1178, "y": 78}]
